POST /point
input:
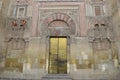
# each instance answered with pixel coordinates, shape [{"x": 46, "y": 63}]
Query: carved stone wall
[
  {"x": 101, "y": 36},
  {"x": 16, "y": 42},
  {"x": 63, "y": 18},
  {"x": 66, "y": 11}
]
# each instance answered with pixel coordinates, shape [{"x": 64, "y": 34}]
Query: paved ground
[{"x": 84, "y": 75}]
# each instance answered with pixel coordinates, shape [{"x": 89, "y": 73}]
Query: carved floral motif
[
  {"x": 17, "y": 26},
  {"x": 23, "y": 23},
  {"x": 14, "y": 23}
]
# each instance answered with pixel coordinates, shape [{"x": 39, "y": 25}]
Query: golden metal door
[{"x": 58, "y": 55}]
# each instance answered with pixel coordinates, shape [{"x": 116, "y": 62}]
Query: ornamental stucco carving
[
  {"x": 100, "y": 27},
  {"x": 16, "y": 27},
  {"x": 62, "y": 30},
  {"x": 15, "y": 36}
]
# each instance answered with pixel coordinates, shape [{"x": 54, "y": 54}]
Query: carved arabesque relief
[
  {"x": 16, "y": 27},
  {"x": 58, "y": 28},
  {"x": 23, "y": 1},
  {"x": 101, "y": 36},
  {"x": 15, "y": 42},
  {"x": 67, "y": 25},
  {"x": 102, "y": 51},
  {"x": 15, "y": 39},
  {"x": 101, "y": 44},
  {"x": 100, "y": 28},
  {"x": 15, "y": 47}
]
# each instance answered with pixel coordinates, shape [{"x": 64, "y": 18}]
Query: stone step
[
  {"x": 57, "y": 77},
  {"x": 5, "y": 78}
]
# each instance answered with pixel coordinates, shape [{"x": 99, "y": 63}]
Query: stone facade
[{"x": 89, "y": 26}]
